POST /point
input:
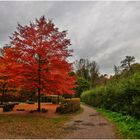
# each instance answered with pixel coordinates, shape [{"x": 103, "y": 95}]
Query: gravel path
[{"x": 89, "y": 125}]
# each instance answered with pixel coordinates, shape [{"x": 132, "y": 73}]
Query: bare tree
[{"x": 88, "y": 70}]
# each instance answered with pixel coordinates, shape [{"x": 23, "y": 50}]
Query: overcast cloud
[{"x": 102, "y": 31}]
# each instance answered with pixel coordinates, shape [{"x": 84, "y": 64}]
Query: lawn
[
  {"x": 21, "y": 126},
  {"x": 127, "y": 126}
]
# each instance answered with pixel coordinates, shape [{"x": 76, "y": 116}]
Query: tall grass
[{"x": 127, "y": 126}]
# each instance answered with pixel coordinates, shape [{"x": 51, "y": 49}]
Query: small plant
[
  {"x": 43, "y": 110},
  {"x": 8, "y": 107},
  {"x": 69, "y": 105}
]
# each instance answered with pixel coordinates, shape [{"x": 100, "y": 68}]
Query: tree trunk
[
  {"x": 58, "y": 99},
  {"x": 38, "y": 100},
  {"x": 39, "y": 82},
  {"x": 2, "y": 97},
  {"x": 3, "y": 92}
]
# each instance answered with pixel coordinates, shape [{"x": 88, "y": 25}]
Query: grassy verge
[
  {"x": 67, "y": 116},
  {"x": 127, "y": 126}
]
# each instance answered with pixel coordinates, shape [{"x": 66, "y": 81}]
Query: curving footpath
[{"x": 89, "y": 125}]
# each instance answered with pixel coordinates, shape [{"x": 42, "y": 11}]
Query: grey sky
[{"x": 102, "y": 31}]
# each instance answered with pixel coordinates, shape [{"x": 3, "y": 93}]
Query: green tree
[
  {"x": 135, "y": 67},
  {"x": 116, "y": 69},
  {"x": 94, "y": 73},
  {"x": 82, "y": 85},
  {"x": 89, "y": 70},
  {"x": 126, "y": 63}
]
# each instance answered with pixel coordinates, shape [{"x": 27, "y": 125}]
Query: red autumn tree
[
  {"x": 6, "y": 78},
  {"x": 41, "y": 50}
]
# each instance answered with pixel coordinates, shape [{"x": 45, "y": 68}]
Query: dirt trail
[{"x": 89, "y": 125}]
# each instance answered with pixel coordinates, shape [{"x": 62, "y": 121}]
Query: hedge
[
  {"x": 69, "y": 105},
  {"x": 122, "y": 96}
]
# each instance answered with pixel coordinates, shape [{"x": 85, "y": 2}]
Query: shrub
[
  {"x": 43, "y": 110},
  {"x": 8, "y": 107},
  {"x": 121, "y": 95},
  {"x": 82, "y": 85},
  {"x": 94, "y": 96},
  {"x": 69, "y": 105}
]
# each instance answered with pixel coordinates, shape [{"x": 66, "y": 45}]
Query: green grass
[
  {"x": 65, "y": 116},
  {"x": 127, "y": 126},
  {"x": 59, "y": 119}
]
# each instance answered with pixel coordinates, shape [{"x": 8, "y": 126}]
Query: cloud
[{"x": 102, "y": 31}]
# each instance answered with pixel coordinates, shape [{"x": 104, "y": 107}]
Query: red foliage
[{"x": 38, "y": 58}]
